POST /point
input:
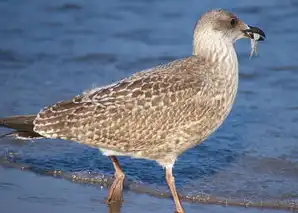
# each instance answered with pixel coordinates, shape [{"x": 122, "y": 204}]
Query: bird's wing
[{"x": 124, "y": 111}]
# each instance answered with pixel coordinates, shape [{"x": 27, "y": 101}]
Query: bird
[{"x": 155, "y": 114}]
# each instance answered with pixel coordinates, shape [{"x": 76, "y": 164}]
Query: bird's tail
[{"x": 22, "y": 125}]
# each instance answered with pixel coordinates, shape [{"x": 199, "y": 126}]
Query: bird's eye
[{"x": 233, "y": 22}]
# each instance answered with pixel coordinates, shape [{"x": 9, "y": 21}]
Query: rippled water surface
[{"x": 53, "y": 50}]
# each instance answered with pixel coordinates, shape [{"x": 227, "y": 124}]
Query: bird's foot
[{"x": 115, "y": 192}]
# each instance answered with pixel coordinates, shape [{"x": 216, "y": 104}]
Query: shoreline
[{"x": 137, "y": 190}]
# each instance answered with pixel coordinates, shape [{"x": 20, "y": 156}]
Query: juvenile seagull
[{"x": 158, "y": 113}]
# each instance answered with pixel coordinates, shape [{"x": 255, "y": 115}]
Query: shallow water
[
  {"x": 46, "y": 194},
  {"x": 53, "y": 50}
]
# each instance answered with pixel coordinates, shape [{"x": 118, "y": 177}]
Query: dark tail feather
[{"x": 22, "y": 124}]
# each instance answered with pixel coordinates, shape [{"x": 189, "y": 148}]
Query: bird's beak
[{"x": 254, "y": 33}]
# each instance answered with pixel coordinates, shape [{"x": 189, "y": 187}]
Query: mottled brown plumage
[
  {"x": 155, "y": 114},
  {"x": 158, "y": 113}
]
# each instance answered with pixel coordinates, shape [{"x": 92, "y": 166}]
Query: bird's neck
[
  {"x": 214, "y": 48},
  {"x": 222, "y": 56}
]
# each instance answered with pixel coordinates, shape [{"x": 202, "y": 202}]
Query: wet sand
[{"x": 24, "y": 191}]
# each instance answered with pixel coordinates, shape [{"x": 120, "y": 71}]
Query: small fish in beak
[
  {"x": 253, "y": 45},
  {"x": 254, "y": 34}
]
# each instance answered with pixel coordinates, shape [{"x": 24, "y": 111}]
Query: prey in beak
[{"x": 254, "y": 33}]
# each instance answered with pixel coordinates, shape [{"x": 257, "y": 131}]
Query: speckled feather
[{"x": 154, "y": 114}]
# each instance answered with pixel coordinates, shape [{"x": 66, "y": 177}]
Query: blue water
[{"x": 53, "y": 50}]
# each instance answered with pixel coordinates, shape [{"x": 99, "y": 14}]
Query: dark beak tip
[{"x": 262, "y": 38}]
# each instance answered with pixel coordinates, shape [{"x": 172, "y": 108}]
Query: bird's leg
[
  {"x": 171, "y": 183},
  {"x": 115, "y": 192}
]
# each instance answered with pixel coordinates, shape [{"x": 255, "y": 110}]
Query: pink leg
[
  {"x": 115, "y": 192},
  {"x": 171, "y": 183}
]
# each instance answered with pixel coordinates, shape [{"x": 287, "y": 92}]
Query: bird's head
[
  {"x": 219, "y": 29},
  {"x": 226, "y": 26}
]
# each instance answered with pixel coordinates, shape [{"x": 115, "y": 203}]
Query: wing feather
[{"x": 114, "y": 116}]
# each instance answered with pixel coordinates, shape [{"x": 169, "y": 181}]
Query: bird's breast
[{"x": 208, "y": 115}]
